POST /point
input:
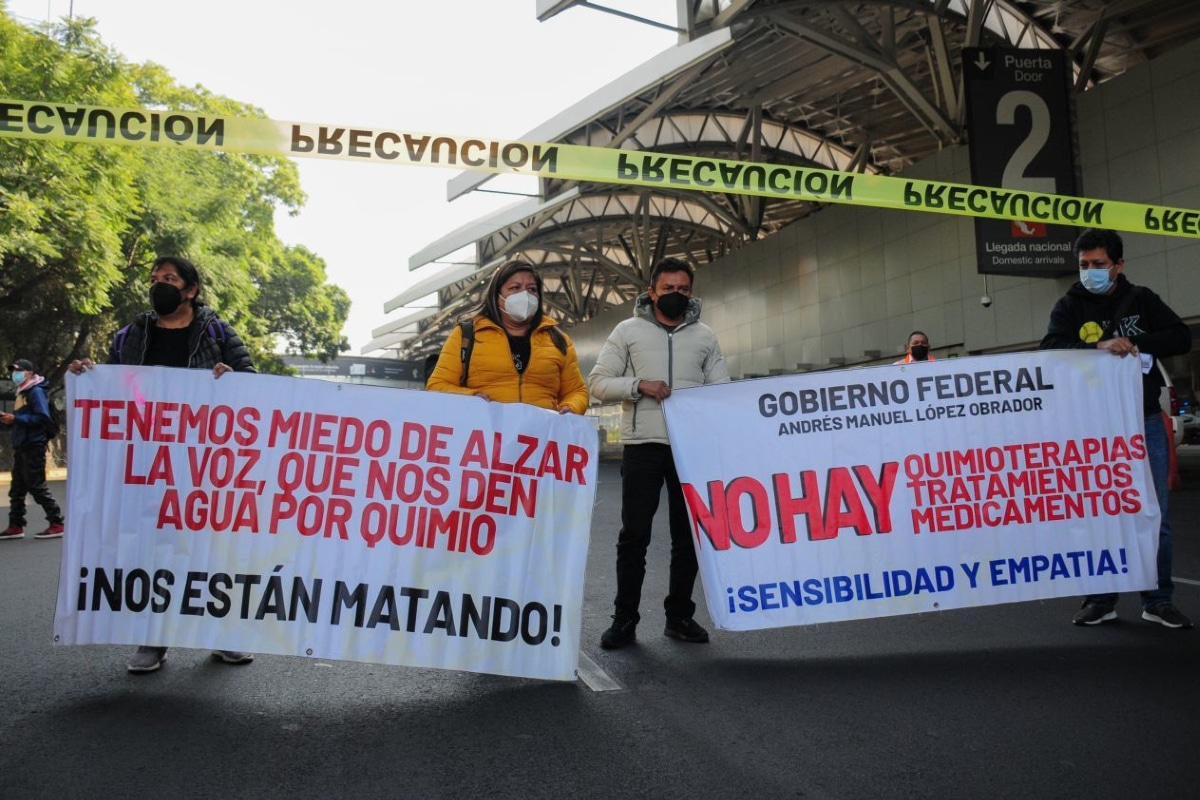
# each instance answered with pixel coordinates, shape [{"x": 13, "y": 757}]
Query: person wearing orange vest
[{"x": 917, "y": 348}]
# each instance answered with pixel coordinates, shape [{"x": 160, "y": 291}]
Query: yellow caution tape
[{"x": 141, "y": 127}]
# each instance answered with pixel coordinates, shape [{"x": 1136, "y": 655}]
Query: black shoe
[
  {"x": 686, "y": 630},
  {"x": 233, "y": 656},
  {"x": 1093, "y": 613},
  {"x": 623, "y": 631},
  {"x": 1166, "y": 614}
]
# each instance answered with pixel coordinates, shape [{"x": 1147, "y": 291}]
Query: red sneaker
[
  {"x": 13, "y": 532},
  {"x": 53, "y": 532}
]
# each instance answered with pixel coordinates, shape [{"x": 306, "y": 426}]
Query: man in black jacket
[
  {"x": 180, "y": 332},
  {"x": 1105, "y": 311},
  {"x": 29, "y": 422}
]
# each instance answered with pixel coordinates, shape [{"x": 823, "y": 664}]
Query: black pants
[
  {"x": 29, "y": 477},
  {"x": 644, "y": 469}
]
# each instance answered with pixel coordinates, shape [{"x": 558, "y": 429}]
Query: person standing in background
[
  {"x": 916, "y": 348},
  {"x": 30, "y": 422}
]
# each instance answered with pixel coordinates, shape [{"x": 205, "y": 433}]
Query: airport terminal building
[{"x": 876, "y": 88}]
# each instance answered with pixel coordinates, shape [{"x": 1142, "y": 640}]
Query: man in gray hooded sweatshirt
[{"x": 664, "y": 346}]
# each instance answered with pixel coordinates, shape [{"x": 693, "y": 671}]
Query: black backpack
[
  {"x": 54, "y": 427},
  {"x": 468, "y": 344}
]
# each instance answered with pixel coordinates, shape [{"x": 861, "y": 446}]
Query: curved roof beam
[
  {"x": 720, "y": 130},
  {"x": 615, "y": 209},
  {"x": 885, "y": 66},
  {"x": 412, "y": 318},
  {"x": 484, "y": 226},
  {"x": 619, "y": 209},
  {"x": 390, "y": 333},
  {"x": 637, "y": 81}
]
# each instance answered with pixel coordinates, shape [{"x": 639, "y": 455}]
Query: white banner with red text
[
  {"x": 339, "y": 521},
  {"x": 908, "y": 488}
]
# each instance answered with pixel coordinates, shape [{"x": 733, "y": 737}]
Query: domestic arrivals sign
[
  {"x": 911, "y": 488},
  {"x": 1021, "y": 138},
  {"x": 305, "y": 518}
]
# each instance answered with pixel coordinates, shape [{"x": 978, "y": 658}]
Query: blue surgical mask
[
  {"x": 18, "y": 376},
  {"x": 1096, "y": 281}
]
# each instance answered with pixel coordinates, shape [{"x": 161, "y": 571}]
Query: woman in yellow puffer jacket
[{"x": 518, "y": 356}]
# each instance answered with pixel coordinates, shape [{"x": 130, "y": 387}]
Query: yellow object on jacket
[{"x": 551, "y": 380}]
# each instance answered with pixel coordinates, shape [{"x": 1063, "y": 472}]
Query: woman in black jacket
[{"x": 180, "y": 332}]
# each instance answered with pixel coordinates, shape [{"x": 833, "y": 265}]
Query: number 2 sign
[{"x": 1020, "y": 137}]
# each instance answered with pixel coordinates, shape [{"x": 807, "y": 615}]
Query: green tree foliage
[
  {"x": 296, "y": 305},
  {"x": 62, "y": 208},
  {"x": 80, "y": 224}
]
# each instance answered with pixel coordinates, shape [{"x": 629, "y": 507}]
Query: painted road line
[{"x": 596, "y": 679}]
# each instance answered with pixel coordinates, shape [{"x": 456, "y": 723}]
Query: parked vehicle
[
  {"x": 1191, "y": 428},
  {"x": 1169, "y": 401}
]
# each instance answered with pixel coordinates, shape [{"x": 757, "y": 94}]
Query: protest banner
[
  {"x": 308, "y": 518},
  {"x": 908, "y": 488}
]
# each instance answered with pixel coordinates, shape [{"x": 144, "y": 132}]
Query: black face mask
[
  {"x": 920, "y": 352},
  {"x": 165, "y": 298},
  {"x": 672, "y": 305}
]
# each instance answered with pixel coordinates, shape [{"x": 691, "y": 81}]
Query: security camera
[{"x": 986, "y": 301}]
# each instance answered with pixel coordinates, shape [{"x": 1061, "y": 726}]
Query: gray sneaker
[
  {"x": 233, "y": 656},
  {"x": 147, "y": 659}
]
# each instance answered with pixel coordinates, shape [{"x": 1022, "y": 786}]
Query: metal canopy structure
[{"x": 853, "y": 86}]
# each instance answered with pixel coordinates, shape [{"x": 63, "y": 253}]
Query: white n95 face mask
[{"x": 520, "y": 306}]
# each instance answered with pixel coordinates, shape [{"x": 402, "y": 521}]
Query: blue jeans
[{"x": 1160, "y": 464}]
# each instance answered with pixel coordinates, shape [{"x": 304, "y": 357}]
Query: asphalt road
[{"x": 1005, "y": 701}]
